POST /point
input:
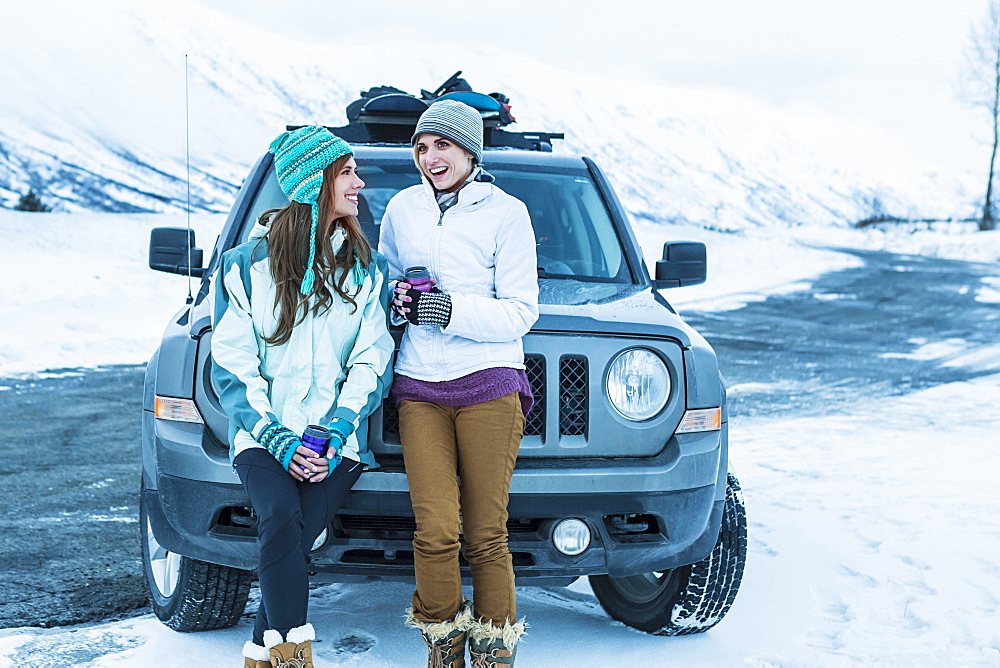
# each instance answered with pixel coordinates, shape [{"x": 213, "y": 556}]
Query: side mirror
[
  {"x": 170, "y": 248},
  {"x": 684, "y": 263}
]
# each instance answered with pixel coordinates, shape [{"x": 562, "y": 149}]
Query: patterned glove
[
  {"x": 424, "y": 308},
  {"x": 280, "y": 441}
]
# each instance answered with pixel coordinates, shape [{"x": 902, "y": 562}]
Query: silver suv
[{"x": 623, "y": 471}]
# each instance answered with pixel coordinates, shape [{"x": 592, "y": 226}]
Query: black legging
[{"x": 290, "y": 516}]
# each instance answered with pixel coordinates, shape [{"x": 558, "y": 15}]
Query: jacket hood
[{"x": 259, "y": 230}]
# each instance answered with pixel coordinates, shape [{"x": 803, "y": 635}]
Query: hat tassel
[
  {"x": 358, "y": 273},
  {"x": 310, "y": 275}
]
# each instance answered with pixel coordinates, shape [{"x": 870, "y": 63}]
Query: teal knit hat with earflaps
[{"x": 300, "y": 156}]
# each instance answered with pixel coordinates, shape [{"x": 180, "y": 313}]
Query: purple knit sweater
[{"x": 474, "y": 388}]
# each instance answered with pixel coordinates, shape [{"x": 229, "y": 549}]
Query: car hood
[{"x": 608, "y": 308}]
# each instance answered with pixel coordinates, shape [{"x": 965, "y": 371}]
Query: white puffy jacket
[{"x": 481, "y": 252}]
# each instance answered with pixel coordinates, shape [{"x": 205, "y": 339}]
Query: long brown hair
[{"x": 288, "y": 251}]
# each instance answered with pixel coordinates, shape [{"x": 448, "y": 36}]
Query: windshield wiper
[{"x": 544, "y": 274}]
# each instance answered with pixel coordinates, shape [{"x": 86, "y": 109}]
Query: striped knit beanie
[
  {"x": 300, "y": 156},
  {"x": 456, "y": 121}
]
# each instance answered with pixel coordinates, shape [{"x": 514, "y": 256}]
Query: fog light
[
  {"x": 571, "y": 537},
  {"x": 320, "y": 540}
]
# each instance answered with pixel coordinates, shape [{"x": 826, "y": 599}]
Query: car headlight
[{"x": 638, "y": 384}]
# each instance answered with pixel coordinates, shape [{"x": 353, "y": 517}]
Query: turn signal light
[
  {"x": 700, "y": 419},
  {"x": 178, "y": 410}
]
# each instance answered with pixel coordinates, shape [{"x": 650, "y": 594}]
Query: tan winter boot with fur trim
[
  {"x": 494, "y": 646},
  {"x": 255, "y": 656},
  {"x": 445, "y": 640},
  {"x": 295, "y": 652}
]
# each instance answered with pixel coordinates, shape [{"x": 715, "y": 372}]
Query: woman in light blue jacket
[{"x": 300, "y": 339}]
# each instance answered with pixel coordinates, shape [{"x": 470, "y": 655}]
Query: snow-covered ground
[{"x": 874, "y": 533}]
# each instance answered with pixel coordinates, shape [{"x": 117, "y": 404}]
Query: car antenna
[{"x": 187, "y": 161}]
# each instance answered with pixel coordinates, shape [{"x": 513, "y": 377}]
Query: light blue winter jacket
[{"x": 335, "y": 365}]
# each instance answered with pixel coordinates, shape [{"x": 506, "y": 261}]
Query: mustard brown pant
[{"x": 480, "y": 444}]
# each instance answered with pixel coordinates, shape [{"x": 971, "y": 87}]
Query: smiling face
[
  {"x": 344, "y": 192},
  {"x": 445, "y": 164}
]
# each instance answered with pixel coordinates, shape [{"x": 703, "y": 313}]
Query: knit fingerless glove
[
  {"x": 281, "y": 442},
  {"x": 340, "y": 429},
  {"x": 429, "y": 308}
]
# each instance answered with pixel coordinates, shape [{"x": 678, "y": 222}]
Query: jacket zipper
[{"x": 435, "y": 257}]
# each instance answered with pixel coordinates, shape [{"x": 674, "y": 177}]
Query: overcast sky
[{"x": 895, "y": 63}]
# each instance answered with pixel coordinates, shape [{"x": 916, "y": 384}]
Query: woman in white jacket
[
  {"x": 460, "y": 381},
  {"x": 300, "y": 339}
]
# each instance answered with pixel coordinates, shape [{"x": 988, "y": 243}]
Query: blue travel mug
[{"x": 317, "y": 439}]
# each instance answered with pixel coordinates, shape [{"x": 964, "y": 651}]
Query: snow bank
[
  {"x": 950, "y": 241},
  {"x": 742, "y": 266},
  {"x": 78, "y": 292},
  {"x": 748, "y": 265}
]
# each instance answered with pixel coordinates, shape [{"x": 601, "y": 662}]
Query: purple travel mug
[
  {"x": 316, "y": 438},
  {"x": 419, "y": 278}
]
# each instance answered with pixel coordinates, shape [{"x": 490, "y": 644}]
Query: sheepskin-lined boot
[
  {"x": 255, "y": 656},
  {"x": 445, "y": 640},
  {"x": 494, "y": 646},
  {"x": 295, "y": 652}
]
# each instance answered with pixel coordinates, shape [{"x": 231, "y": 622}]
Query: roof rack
[{"x": 388, "y": 115}]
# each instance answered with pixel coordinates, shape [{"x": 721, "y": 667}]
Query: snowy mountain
[{"x": 94, "y": 119}]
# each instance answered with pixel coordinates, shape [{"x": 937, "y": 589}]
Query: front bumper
[
  {"x": 197, "y": 508},
  {"x": 371, "y": 535}
]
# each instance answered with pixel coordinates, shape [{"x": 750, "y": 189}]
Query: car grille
[
  {"x": 573, "y": 398},
  {"x": 404, "y": 558},
  {"x": 534, "y": 366},
  {"x": 242, "y": 521},
  {"x": 390, "y": 419},
  {"x": 402, "y": 528},
  {"x": 572, "y": 395}
]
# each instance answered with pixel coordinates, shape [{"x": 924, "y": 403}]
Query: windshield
[{"x": 574, "y": 235}]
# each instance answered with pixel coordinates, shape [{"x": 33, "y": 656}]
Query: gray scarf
[{"x": 447, "y": 200}]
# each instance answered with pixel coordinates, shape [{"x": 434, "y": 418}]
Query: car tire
[
  {"x": 688, "y": 599},
  {"x": 188, "y": 594}
]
